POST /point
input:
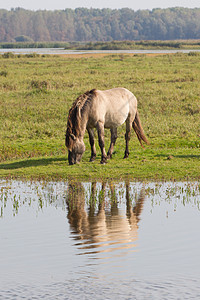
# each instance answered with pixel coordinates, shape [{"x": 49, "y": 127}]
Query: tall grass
[
  {"x": 134, "y": 45},
  {"x": 111, "y": 45}
]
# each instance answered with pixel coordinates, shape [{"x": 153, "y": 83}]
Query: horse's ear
[{"x": 72, "y": 136}]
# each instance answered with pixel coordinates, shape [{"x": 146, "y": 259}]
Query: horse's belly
[{"x": 115, "y": 119}]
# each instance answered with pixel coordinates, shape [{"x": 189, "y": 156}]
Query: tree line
[{"x": 84, "y": 24}]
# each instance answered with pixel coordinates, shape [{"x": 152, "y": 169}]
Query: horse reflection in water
[{"x": 103, "y": 228}]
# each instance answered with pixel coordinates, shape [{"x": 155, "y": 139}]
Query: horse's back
[{"x": 113, "y": 106}]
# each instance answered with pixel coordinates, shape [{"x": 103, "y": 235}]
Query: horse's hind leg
[
  {"x": 113, "y": 140},
  {"x": 92, "y": 144},
  {"x": 100, "y": 130},
  {"x": 127, "y": 135}
]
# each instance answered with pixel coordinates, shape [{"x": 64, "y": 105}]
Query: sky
[{"x": 62, "y": 4}]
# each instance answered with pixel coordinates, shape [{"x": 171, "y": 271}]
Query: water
[
  {"x": 63, "y": 51},
  {"x": 68, "y": 240}
]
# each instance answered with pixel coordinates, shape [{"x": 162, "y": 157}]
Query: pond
[
  {"x": 102, "y": 240},
  {"x": 56, "y": 51}
]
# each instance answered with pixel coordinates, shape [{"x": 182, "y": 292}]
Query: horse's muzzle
[{"x": 71, "y": 159}]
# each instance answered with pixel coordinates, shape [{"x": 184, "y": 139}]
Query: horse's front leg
[
  {"x": 113, "y": 140},
  {"x": 92, "y": 144},
  {"x": 127, "y": 136},
  {"x": 100, "y": 130}
]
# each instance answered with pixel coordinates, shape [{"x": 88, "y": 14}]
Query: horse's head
[
  {"x": 76, "y": 148},
  {"x": 76, "y": 126}
]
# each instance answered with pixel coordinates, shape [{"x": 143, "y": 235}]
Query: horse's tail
[{"x": 137, "y": 126}]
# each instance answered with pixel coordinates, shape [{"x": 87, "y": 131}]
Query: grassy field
[{"x": 37, "y": 92}]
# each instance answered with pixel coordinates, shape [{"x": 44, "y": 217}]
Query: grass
[
  {"x": 109, "y": 45},
  {"x": 37, "y": 92},
  {"x": 135, "y": 45}
]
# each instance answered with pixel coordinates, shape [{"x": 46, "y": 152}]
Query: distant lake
[{"x": 63, "y": 51}]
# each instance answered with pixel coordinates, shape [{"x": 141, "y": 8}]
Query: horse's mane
[{"x": 75, "y": 113}]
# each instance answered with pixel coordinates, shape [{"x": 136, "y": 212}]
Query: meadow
[{"x": 36, "y": 92}]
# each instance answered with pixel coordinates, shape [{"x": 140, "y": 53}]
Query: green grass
[{"x": 37, "y": 92}]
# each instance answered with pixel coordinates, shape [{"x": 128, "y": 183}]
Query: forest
[{"x": 85, "y": 25}]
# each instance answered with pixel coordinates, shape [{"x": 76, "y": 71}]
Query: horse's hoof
[
  {"x": 103, "y": 162},
  {"x": 92, "y": 159},
  {"x": 125, "y": 156},
  {"x": 109, "y": 156}
]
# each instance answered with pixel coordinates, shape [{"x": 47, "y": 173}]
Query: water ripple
[{"x": 178, "y": 288}]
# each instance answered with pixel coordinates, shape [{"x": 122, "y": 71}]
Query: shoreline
[{"x": 91, "y": 53}]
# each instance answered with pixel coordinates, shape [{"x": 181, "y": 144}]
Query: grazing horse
[{"x": 101, "y": 109}]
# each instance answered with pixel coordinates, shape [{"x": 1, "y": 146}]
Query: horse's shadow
[
  {"x": 31, "y": 163},
  {"x": 48, "y": 161}
]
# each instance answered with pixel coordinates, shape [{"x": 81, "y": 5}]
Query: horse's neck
[{"x": 83, "y": 124}]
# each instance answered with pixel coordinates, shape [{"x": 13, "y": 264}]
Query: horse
[{"x": 101, "y": 109}]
